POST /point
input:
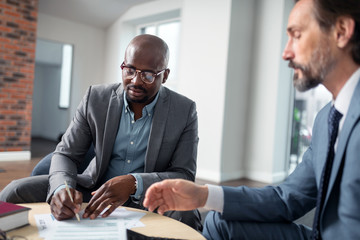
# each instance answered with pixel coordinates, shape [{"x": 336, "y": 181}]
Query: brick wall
[{"x": 18, "y": 22}]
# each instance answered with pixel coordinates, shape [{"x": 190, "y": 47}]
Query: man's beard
[
  {"x": 142, "y": 100},
  {"x": 314, "y": 73}
]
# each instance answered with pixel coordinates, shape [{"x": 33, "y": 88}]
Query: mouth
[
  {"x": 136, "y": 92},
  {"x": 297, "y": 70}
]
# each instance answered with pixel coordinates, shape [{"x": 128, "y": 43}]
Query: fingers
[
  {"x": 92, "y": 208},
  {"x": 114, "y": 192},
  {"x": 150, "y": 197},
  {"x": 94, "y": 212},
  {"x": 101, "y": 199},
  {"x": 160, "y": 206},
  {"x": 94, "y": 202},
  {"x": 174, "y": 194},
  {"x": 154, "y": 203},
  {"x": 62, "y": 207},
  {"x": 111, "y": 209},
  {"x": 78, "y": 199},
  {"x": 163, "y": 208},
  {"x": 154, "y": 198}
]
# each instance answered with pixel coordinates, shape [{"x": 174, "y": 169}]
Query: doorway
[{"x": 51, "y": 94}]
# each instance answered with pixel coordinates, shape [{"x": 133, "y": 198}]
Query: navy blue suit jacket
[{"x": 340, "y": 217}]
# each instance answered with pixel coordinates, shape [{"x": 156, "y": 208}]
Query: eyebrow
[
  {"x": 142, "y": 70},
  {"x": 290, "y": 29}
]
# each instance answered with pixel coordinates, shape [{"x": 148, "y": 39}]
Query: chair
[{"x": 43, "y": 166}]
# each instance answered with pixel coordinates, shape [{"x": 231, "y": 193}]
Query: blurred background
[{"x": 225, "y": 55}]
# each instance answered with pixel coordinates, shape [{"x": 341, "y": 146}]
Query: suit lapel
[
  {"x": 323, "y": 148},
  {"x": 351, "y": 119},
  {"x": 157, "y": 130},
  {"x": 111, "y": 127}
]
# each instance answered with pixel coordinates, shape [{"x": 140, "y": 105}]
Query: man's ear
[
  {"x": 344, "y": 29},
  {"x": 166, "y": 75}
]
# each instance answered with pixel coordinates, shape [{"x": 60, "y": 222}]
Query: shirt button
[
  {"x": 149, "y": 114},
  {"x": 131, "y": 142},
  {"x": 128, "y": 161},
  {"x": 132, "y": 121}
]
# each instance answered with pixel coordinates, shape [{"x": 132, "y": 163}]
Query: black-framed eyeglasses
[{"x": 145, "y": 76}]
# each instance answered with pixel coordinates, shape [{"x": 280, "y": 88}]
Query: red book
[{"x": 13, "y": 216}]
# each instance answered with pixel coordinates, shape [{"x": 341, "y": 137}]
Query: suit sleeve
[
  {"x": 71, "y": 150},
  {"x": 283, "y": 203}
]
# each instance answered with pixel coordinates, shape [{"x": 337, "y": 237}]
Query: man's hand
[
  {"x": 177, "y": 194},
  {"x": 114, "y": 192},
  {"x": 61, "y": 205}
]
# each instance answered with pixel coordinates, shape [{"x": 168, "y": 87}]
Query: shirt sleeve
[
  {"x": 215, "y": 200},
  {"x": 60, "y": 187},
  {"x": 139, "y": 186}
]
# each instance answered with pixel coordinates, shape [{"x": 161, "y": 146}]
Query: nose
[
  {"x": 137, "y": 79},
  {"x": 288, "y": 52}
]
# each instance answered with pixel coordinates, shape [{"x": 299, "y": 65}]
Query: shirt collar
[
  {"x": 148, "y": 108},
  {"x": 342, "y": 102}
]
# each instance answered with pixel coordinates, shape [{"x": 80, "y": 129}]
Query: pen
[{"x": 68, "y": 191}]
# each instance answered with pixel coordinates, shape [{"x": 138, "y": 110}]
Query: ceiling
[{"x": 97, "y": 13}]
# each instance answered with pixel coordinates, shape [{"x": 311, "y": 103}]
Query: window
[
  {"x": 306, "y": 106},
  {"x": 65, "y": 80},
  {"x": 169, "y": 31}
]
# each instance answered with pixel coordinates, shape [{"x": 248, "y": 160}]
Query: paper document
[
  {"x": 131, "y": 218},
  {"x": 111, "y": 228}
]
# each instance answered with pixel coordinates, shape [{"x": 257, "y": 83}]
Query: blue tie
[{"x": 334, "y": 119}]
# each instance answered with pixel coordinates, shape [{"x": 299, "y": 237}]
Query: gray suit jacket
[
  {"x": 340, "y": 217},
  {"x": 172, "y": 145}
]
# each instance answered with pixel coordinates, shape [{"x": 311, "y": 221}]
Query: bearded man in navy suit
[{"x": 323, "y": 48}]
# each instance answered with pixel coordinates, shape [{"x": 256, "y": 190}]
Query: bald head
[
  {"x": 145, "y": 54},
  {"x": 149, "y": 48}
]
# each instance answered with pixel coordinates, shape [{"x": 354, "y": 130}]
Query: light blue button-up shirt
[{"x": 128, "y": 155}]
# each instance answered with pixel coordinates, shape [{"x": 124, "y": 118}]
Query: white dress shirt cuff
[
  {"x": 139, "y": 186},
  {"x": 215, "y": 200}
]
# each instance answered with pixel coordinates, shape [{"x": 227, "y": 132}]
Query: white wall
[
  {"x": 266, "y": 107},
  {"x": 238, "y": 82},
  {"x": 284, "y": 109},
  {"x": 88, "y": 52},
  {"x": 230, "y": 64},
  {"x": 203, "y": 73}
]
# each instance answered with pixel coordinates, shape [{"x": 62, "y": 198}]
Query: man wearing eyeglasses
[{"x": 142, "y": 133}]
